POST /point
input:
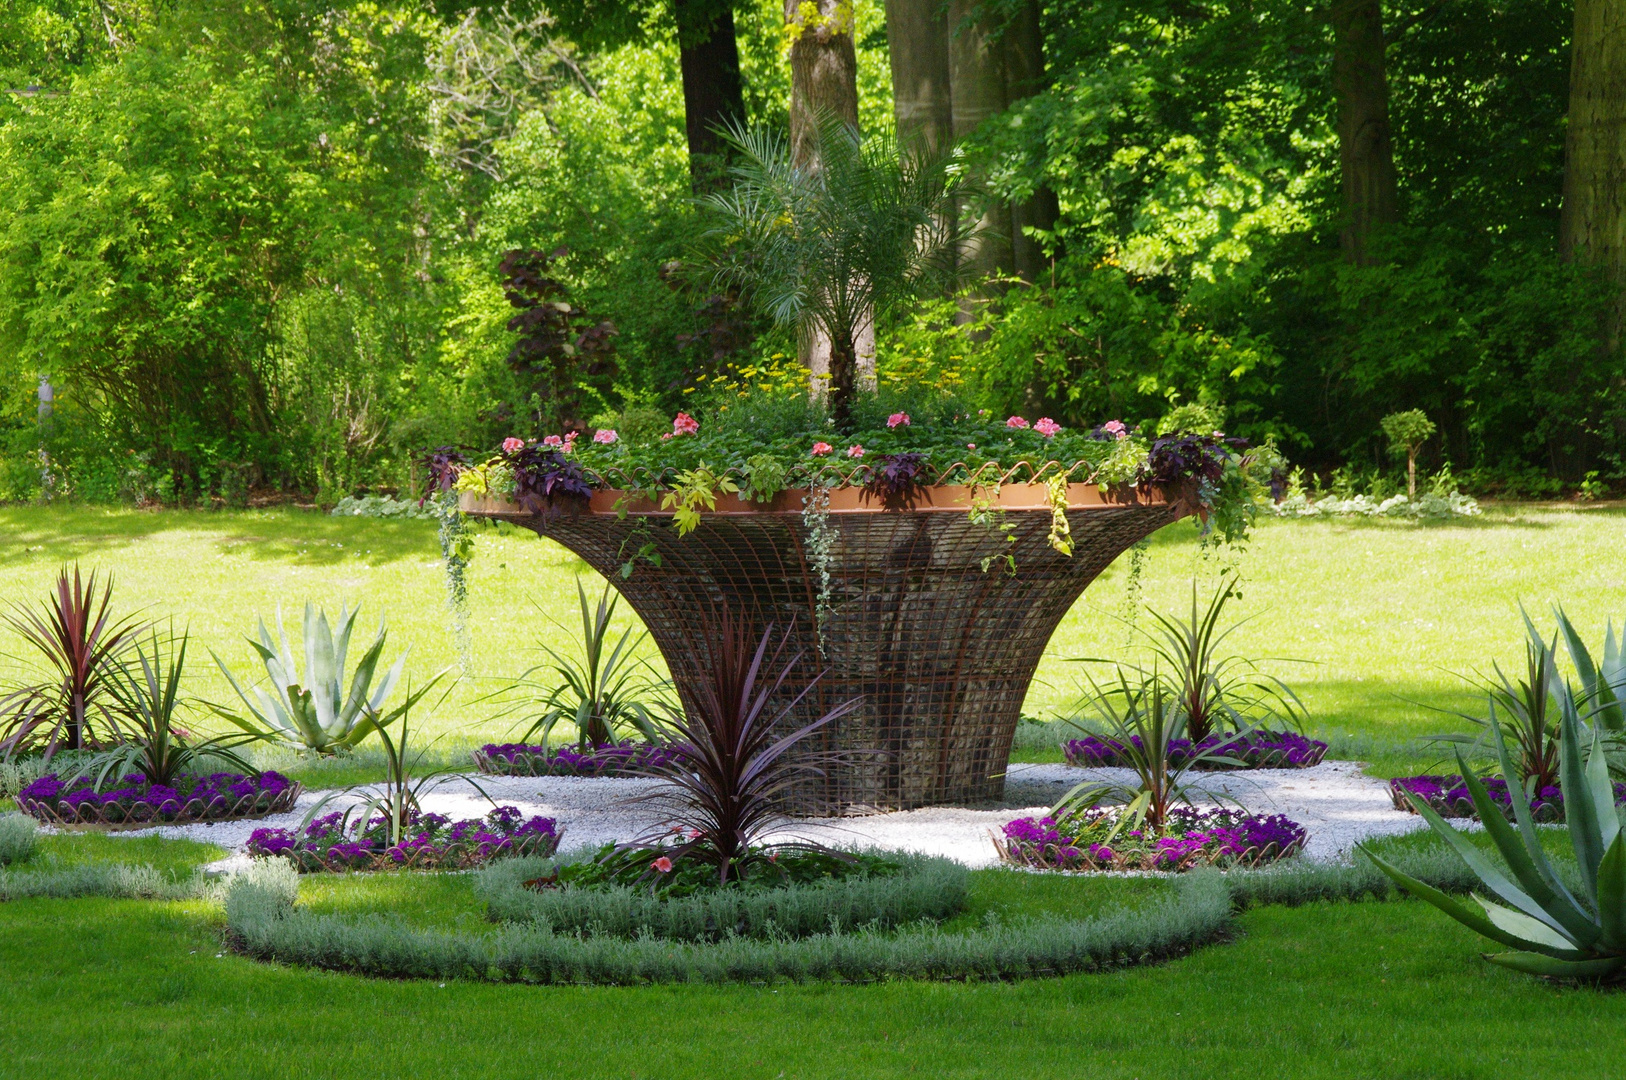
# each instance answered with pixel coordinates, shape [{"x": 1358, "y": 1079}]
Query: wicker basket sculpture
[{"x": 935, "y": 620}]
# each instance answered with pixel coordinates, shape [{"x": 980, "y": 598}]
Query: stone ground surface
[{"x": 1335, "y": 803}]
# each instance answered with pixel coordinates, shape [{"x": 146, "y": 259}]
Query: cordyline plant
[
  {"x": 730, "y": 760},
  {"x": 829, "y": 247},
  {"x": 602, "y": 691},
  {"x": 1144, "y": 720},
  {"x": 315, "y": 712},
  {"x": 1550, "y": 929},
  {"x": 80, "y": 646},
  {"x": 149, "y": 742}
]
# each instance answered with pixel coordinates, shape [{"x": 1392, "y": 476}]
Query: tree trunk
[
  {"x": 824, "y": 81},
  {"x": 1023, "y": 48},
  {"x": 843, "y": 370},
  {"x": 917, "y": 35},
  {"x": 713, "y": 99},
  {"x": 1365, "y": 153},
  {"x": 1592, "y": 224}
]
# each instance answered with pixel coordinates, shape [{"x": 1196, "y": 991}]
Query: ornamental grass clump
[
  {"x": 19, "y": 837},
  {"x": 1550, "y": 928},
  {"x": 422, "y": 842},
  {"x": 1099, "y": 840}
]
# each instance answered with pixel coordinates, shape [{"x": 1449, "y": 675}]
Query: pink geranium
[
  {"x": 662, "y": 864},
  {"x": 605, "y": 435},
  {"x": 1115, "y": 427},
  {"x": 898, "y": 419},
  {"x": 553, "y": 440},
  {"x": 1046, "y": 426},
  {"x": 512, "y": 445},
  {"x": 684, "y": 424},
  {"x": 1016, "y": 422},
  {"x": 821, "y": 448},
  {"x": 855, "y": 451}
]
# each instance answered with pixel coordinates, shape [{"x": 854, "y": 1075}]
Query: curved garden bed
[
  {"x": 427, "y": 842},
  {"x": 1094, "y": 840},
  {"x": 1448, "y": 797},
  {"x": 1254, "y": 750},
  {"x": 520, "y": 759},
  {"x": 137, "y": 804},
  {"x": 930, "y": 610}
]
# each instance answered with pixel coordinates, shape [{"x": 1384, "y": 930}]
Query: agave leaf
[
  {"x": 1580, "y": 809},
  {"x": 1467, "y": 916},
  {"x": 386, "y": 685},
  {"x": 1553, "y": 968},
  {"x": 1612, "y": 895},
  {"x": 1613, "y": 671},
  {"x": 1533, "y": 931},
  {"x": 361, "y": 682},
  {"x": 1493, "y": 878},
  {"x": 341, "y": 644},
  {"x": 1599, "y": 692},
  {"x": 1529, "y": 861},
  {"x": 1602, "y": 791}
]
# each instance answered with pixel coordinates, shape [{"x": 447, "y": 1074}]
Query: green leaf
[
  {"x": 1553, "y": 968},
  {"x": 1473, "y": 920},
  {"x": 1612, "y": 894}
]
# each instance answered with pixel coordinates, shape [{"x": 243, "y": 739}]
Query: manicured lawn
[
  {"x": 1385, "y": 615},
  {"x": 133, "y": 989}
]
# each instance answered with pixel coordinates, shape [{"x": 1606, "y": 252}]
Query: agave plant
[
  {"x": 1212, "y": 690},
  {"x": 1550, "y": 929},
  {"x": 316, "y": 712},
  {"x": 1603, "y": 681},
  {"x": 80, "y": 645},
  {"x": 602, "y": 690},
  {"x": 730, "y": 763},
  {"x": 147, "y": 692},
  {"x": 1143, "y": 719}
]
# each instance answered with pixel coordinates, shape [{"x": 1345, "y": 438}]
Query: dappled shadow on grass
[
  {"x": 283, "y": 534},
  {"x": 87, "y": 848},
  {"x": 424, "y": 899}
]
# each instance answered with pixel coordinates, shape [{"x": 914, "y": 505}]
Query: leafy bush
[
  {"x": 1090, "y": 839},
  {"x": 915, "y": 888},
  {"x": 19, "y": 837},
  {"x": 425, "y": 841}
]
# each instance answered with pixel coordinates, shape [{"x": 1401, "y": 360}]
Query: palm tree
[{"x": 870, "y": 226}]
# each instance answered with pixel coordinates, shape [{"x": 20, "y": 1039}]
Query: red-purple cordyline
[
  {"x": 82, "y": 644},
  {"x": 729, "y": 759}
]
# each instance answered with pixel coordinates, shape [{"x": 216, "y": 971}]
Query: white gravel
[{"x": 1333, "y": 801}]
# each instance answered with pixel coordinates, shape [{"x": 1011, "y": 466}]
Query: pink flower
[
  {"x": 1016, "y": 422},
  {"x": 855, "y": 451},
  {"x": 605, "y": 435},
  {"x": 694, "y": 834},
  {"x": 662, "y": 864},
  {"x": 821, "y": 448},
  {"x": 512, "y": 445},
  {"x": 668, "y": 435},
  {"x": 970, "y": 446},
  {"x": 1046, "y": 426},
  {"x": 684, "y": 424},
  {"x": 1115, "y": 427},
  {"x": 553, "y": 440},
  {"x": 898, "y": 419}
]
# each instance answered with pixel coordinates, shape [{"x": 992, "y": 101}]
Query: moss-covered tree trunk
[
  {"x": 1592, "y": 225},
  {"x": 1365, "y": 153}
]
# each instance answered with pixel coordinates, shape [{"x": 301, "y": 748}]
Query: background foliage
[{"x": 255, "y": 246}]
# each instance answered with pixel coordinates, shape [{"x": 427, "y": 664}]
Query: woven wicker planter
[{"x": 940, "y": 650}]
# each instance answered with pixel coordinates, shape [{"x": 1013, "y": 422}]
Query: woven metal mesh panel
[{"x": 940, "y": 650}]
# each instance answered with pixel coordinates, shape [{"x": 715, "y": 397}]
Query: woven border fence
[
  {"x": 935, "y": 619},
  {"x": 142, "y": 814}
]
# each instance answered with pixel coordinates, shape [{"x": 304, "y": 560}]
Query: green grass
[
  {"x": 1384, "y": 615},
  {"x": 132, "y": 989}
]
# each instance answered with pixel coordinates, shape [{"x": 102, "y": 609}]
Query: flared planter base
[{"x": 934, "y": 621}]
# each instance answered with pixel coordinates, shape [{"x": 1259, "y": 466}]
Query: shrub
[
  {"x": 191, "y": 798},
  {"x": 427, "y": 841},
  {"x": 19, "y": 836},
  {"x": 916, "y": 888},
  {"x": 1100, "y": 840}
]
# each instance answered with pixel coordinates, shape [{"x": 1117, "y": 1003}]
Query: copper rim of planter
[
  {"x": 953, "y": 498},
  {"x": 96, "y": 820}
]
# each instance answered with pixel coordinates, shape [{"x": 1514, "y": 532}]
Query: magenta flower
[
  {"x": 898, "y": 419},
  {"x": 1016, "y": 422},
  {"x": 821, "y": 448},
  {"x": 1116, "y": 427},
  {"x": 662, "y": 864},
  {"x": 684, "y": 424},
  {"x": 855, "y": 451},
  {"x": 605, "y": 435},
  {"x": 1046, "y": 426},
  {"x": 512, "y": 445}
]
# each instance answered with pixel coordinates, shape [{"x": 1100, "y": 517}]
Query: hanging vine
[
  {"x": 1061, "y": 533},
  {"x": 821, "y": 539},
  {"x": 1132, "y": 587}
]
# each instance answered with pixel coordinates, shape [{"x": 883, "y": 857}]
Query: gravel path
[{"x": 1333, "y": 801}]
